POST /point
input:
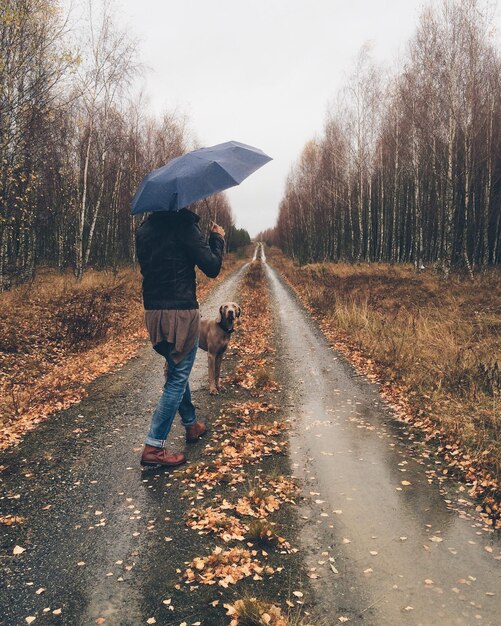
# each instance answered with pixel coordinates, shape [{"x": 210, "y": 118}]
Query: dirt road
[{"x": 383, "y": 536}]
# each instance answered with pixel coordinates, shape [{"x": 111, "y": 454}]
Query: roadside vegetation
[
  {"x": 58, "y": 333},
  {"x": 435, "y": 346}
]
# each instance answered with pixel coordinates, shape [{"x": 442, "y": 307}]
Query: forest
[
  {"x": 76, "y": 138},
  {"x": 408, "y": 165}
]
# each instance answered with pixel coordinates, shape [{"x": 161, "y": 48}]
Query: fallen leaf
[
  {"x": 151, "y": 620},
  {"x": 30, "y": 619},
  {"x": 18, "y": 550}
]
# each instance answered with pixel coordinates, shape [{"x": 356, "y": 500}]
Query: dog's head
[{"x": 229, "y": 312}]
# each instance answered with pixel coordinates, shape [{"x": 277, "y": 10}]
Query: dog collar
[{"x": 226, "y": 330}]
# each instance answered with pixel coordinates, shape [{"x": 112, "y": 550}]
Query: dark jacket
[{"x": 169, "y": 245}]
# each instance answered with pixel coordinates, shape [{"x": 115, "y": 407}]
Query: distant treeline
[
  {"x": 74, "y": 142},
  {"x": 238, "y": 238},
  {"x": 408, "y": 168}
]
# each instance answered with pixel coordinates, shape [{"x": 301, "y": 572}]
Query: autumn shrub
[{"x": 82, "y": 317}]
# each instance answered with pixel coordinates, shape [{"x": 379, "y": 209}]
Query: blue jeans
[{"x": 176, "y": 396}]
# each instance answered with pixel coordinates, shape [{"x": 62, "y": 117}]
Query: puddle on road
[{"x": 373, "y": 514}]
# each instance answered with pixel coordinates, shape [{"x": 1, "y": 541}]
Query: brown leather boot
[
  {"x": 160, "y": 456},
  {"x": 194, "y": 432}
]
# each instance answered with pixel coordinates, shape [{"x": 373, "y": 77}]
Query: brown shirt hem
[{"x": 178, "y": 327}]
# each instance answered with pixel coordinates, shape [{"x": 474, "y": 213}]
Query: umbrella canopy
[{"x": 197, "y": 175}]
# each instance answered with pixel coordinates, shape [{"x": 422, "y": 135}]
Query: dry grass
[
  {"x": 257, "y": 612},
  {"x": 263, "y": 532},
  {"x": 439, "y": 341},
  {"x": 43, "y": 321},
  {"x": 52, "y": 334}
]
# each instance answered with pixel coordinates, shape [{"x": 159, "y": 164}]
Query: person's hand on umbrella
[{"x": 215, "y": 228}]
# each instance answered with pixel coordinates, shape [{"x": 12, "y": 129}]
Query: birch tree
[{"x": 108, "y": 64}]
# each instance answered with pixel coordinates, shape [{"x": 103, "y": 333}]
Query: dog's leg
[
  {"x": 219, "y": 359},
  {"x": 212, "y": 374}
]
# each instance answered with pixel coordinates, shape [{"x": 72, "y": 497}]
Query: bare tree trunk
[
  {"x": 487, "y": 192},
  {"x": 82, "y": 215},
  {"x": 95, "y": 212},
  {"x": 449, "y": 198}
]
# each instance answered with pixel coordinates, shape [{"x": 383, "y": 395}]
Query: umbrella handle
[{"x": 212, "y": 218}]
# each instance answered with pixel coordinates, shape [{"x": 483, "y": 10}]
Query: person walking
[{"x": 169, "y": 245}]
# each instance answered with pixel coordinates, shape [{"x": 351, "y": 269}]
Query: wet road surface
[
  {"x": 97, "y": 529},
  {"x": 398, "y": 553}
]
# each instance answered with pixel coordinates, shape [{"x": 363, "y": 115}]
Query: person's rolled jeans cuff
[
  {"x": 156, "y": 443},
  {"x": 190, "y": 423}
]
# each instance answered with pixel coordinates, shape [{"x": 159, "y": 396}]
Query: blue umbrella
[{"x": 197, "y": 175}]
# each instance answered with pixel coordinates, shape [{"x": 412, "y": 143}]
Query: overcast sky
[{"x": 261, "y": 72}]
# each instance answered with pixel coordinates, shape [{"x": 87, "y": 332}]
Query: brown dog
[{"x": 214, "y": 339}]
